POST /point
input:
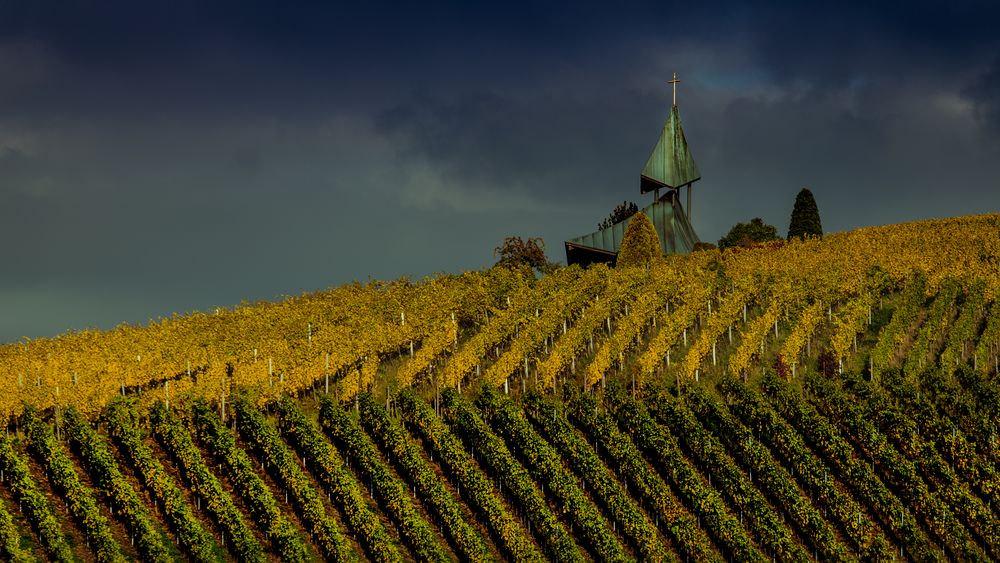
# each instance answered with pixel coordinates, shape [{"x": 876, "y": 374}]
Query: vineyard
[{"x": 818, "y": 400}]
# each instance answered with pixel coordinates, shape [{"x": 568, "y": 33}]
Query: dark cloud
[
  {"x": 984, "y": 91},
  {"x": 169, "y": 156},
  {"x": 552, "y": 147}
]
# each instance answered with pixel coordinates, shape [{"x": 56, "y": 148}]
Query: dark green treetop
[
  {"x": 748, "y": 234},
  {"x": 805, "y": 217}
]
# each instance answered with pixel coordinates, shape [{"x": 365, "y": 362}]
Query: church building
[{"x": 668, "y": 169}]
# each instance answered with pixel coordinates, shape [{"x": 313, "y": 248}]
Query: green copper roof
[
  {"x": 668, "y": 217},
  {"x": 670, "y": 165}
]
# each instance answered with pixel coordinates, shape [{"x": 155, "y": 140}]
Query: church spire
[{"x": 670, "y": 165}]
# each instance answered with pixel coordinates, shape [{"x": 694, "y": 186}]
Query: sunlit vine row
[
  {"x": 176, "y": 439},
  {"x": 603, "y": 486},
  {"x": 331, "y": 472},
  {"x": 98, "y": 458},
  {"x": 124, "y": 427},
  {"x": 557, "y": 543},
  {"x": 33, "y": 501},
  {"x": 257, "y": 497},
  {"x": 406, "y": 456},
  {"x": 546, "y": 466},
  {"x": 79, "y": 498},
  {"x": 392, "y": 495},
  {"x": 783, "y": 440}
]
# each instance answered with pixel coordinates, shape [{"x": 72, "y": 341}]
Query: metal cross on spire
[{"x": 674, "y": 84}]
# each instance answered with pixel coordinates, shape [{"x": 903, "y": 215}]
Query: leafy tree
[
  {"x": 516, "y": 252},
  {"x": 641, "y": 244},
  {"x": 805, "y": 217},
  {"x": 748, "y": 234},
  {"x": 699, "y": 246},
  {"x": 623, "y": 211}
]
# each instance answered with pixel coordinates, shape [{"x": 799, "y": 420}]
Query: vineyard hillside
[{"x": 826, "y": 399}]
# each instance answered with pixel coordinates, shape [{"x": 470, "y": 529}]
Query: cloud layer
[{"x": 182, "y": 156}]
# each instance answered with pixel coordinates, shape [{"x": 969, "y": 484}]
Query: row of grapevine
[
  {"x": 898, "y": 471},
  {"x": 79, "y": 498},
  {"x": 825, "y": 438},
  {"x": 964, "y": 455},
  {"x": 97, "y": 458},
  {"x": 504, "y": 325},
  {"x": 729, "y": 310},
  {"x": 988, "y": 347},
  {"x": 603, "y": 486},
  {"x": 176, "y": 439},
  {"x": 547, "y": 468},
  {"x": 387, "y": 488},
  {"x": 557, "y": 311},
  {"x": 678, "y": 523},
  {"x": 801, "y": 335},
  {"x": 282, "y": 463},
  {"x": 257, "y": 497},
  {"x": 905, "y": 436},
  {"x": 431, "y": 349},
  {"x": 10, "y": 539},
  {"x": 773, "y": 478},
  {"x": 705, "y": 449},
  {"x": 406, "y": 456},
  {"x": 33, "y": 501},
  {"x": 622, "y": 286},
  {"x": 331, "y": 472},
  {"x": 786, "y": 444},
  {"x": 124, "y": 427},
  {"x": 630, "y": 327},
  {"x": 662, "y": 450},
  {"x": 479, "y": 490},
  {"x": 851, "y": 319},
  {"x": 965, "y": 329},
  {"x": 752, "y": 337},
  {"x": 939, "y": 317},
  {"x": 694, "y": 298},
  {"x": 493, "y": 452},
  {"x": 895, "y": 333}
]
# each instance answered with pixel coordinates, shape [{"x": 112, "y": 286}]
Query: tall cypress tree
[{"x": 805, "y": 217}]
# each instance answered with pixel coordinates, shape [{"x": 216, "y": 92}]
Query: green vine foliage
[
  {"x": 256, "y": 495},
  {"x": 101, "y": 463},
  {"x": 897, "y": 471},
  {"x": 677, "y": 522},
  {"x": 176, "y": 439},
  {"x": 773, "y": 479},
  {"x": 663, "y": 451},
  {"x": 553, "y": 426},
  {"x": 266, "y": 441},
  {"x": 757, "y": 415},
  {"x": 511, "y": 477},
  {"x": 124, "y": 427},
  {"x": 729, "y": 478},
  {"x": 79, "y": 498},
  {"x": 33, "y": 502},
  {"x": 406, "y": 456},
  {"x": 824, "y": 437},
  {"x": 329, "y": 469},
  {"x": 388, "y": 490},
  {"x": 10, "y": 539},
  {"x": 546, "y": 466},
  {"x": 478, "y": 489}
]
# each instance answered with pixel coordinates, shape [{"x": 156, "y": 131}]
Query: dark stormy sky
[{"x": 160, "y": 157}]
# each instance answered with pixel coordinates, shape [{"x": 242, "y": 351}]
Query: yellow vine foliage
[{"x": 347, "y": 333}]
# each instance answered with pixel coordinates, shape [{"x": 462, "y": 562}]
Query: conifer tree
[
  {"x": 805, "y": 217},
  {"x": 641, "y": 244}
]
